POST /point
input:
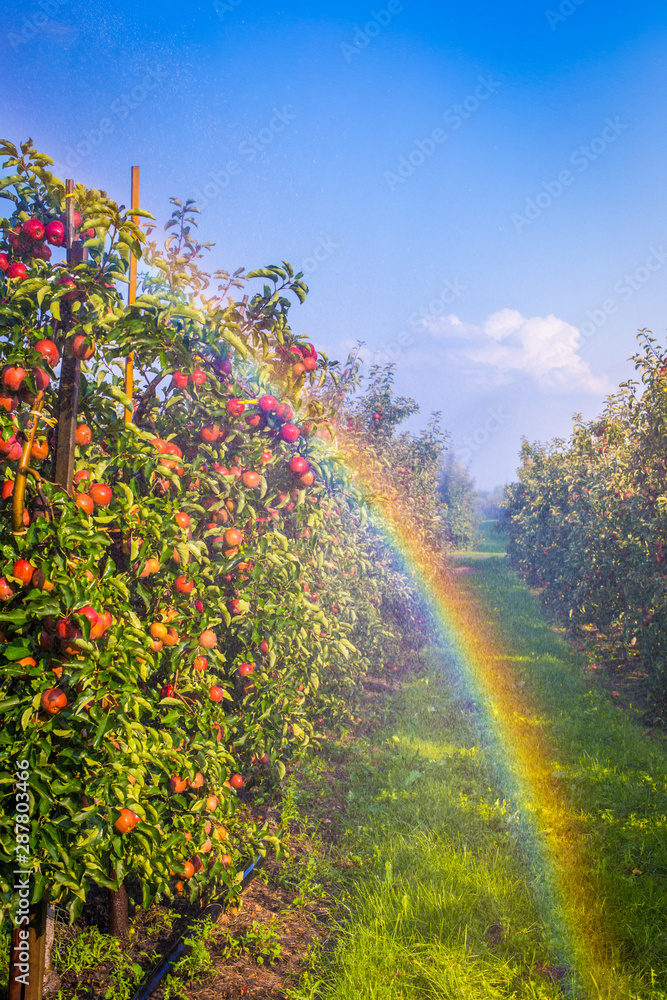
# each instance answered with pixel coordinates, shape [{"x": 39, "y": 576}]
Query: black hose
[{"x": 181, "y": 949}]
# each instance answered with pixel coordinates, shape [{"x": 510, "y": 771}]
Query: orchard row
[
  {"x": 208, "y": 590},
  {"x": 587, "y": 519}
]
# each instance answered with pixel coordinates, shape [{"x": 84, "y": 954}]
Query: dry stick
[{"x": 18, "y": 496}]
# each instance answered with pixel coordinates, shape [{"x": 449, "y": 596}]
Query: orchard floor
[{"x": 407, "y": 874}]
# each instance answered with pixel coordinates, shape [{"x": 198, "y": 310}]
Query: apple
[
  {"x": 53, "y": 700},
  {"x": 250, "y": 479},
  {"x": 267, "y": 404},
  {"x": 180, "y": 380},
  {"x": 9, "y": 402},
  {"x": 208, "y": 639},
  {"x": 77, "y": 219},
  {"x": 83, "y": 434},
  {"x": 12, "y": 376},
  {"x": 167, "y": 691},
  {"x": 23, "y": 571},
  {"x": 298, "y": 465},
  {"x": 101, "y": 494},
  {"x": 235, "y": 407},
  {"x": 200, "y": 663},
  {"x": 85, "y": 502},
  {"x": 126, "y": 822},
  {"x": 176, "y": 785},
  {"x": 182, "y": 519},
  {"x": 211, "y": 803},
  {"x": 309, "y": 364},
  {"x": 88, "y": 612},
  {"x": 233, "y": 538},
  {"x": 236, "y": 781},
  {"x": 264, "y": 647},
  {"x": 210, "y": 433},
  {"x": 55, "y": 233},
  {"x": 289, "y": 433},
  {"x": 6, "y": 591},
  {"x": 4, "y": 261},
  {"x": 284, "y": 412},
  {"x": 216, "y": 693},
  {"x": 82, "y": 348},
  {"x": 246, "y": 669},
  {"x": 183, "y": 585},
  {"x": 41, "y": 252},
  {"x": 33, "y": 229},
  {"x": 171, "y": 638},
  {"x": 198, "y": 377},
  {"x": 49, "y": 351}
]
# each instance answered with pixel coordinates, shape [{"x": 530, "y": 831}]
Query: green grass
[
  {"x": 440, "y": 900},
  {"x": 488, "y": 541}
]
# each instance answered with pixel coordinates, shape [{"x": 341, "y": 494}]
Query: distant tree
[
  {"x": 456, "y": 491},
  {"x": 489, "y": 503}
]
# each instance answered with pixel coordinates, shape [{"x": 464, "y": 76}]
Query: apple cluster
[{"x": 33, "y": 239}]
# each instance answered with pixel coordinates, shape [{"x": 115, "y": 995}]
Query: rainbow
[
  {"x": 550, "y": 834},
  {"x": 552, "y": 838}
]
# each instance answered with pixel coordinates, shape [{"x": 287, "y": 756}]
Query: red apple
[
  {"x": 289, "y": 433},
  {"x": 55, "y": 233},
  {"x": 33, "y": 228},
  {"x": 49, "y": 351},
  {"x": 12, "y": 376}
]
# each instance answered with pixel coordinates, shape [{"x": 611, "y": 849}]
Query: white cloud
[{"x": 508, "y": 345}]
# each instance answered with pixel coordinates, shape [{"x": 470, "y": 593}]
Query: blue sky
[{"x": 476, "y": 191}]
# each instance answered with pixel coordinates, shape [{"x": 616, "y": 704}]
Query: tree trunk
[{"x": 117, "y": 913}]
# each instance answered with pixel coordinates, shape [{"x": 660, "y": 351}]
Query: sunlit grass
[
  {"x": 444, "y": 899},
  {"x": 488, "y": 540}
]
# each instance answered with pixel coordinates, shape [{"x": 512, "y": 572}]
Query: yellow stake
[{"x": 129, "y": 363}]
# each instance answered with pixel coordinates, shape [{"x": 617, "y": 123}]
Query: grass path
[{"x": 438, "y": 895}]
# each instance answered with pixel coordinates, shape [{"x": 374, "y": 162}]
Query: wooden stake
[
  {"x": 129, "y": 364},
  {"x": 32, "y": 990},
  {"x": 68, "y": 394}
]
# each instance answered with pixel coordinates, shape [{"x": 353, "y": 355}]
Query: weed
[
  {"x": 259, "y": 941},
  {"x": 197, "y": 965},
  {"x": 262, "y": 942},
  {"x": 87, "y": 951}
]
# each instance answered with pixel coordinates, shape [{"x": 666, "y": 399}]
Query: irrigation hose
[
  {"x": 181, "y": 949},
  {"x": 18, "y": 496}
]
